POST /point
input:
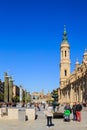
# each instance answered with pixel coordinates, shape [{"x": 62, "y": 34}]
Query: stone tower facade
[
  {"x": 85, "y": 57},
  {"x": 73, "y": 86},
  {"x": 64, "y": 59}
]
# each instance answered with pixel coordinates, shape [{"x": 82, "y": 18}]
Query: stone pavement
[{"x": 40, "y": 123}]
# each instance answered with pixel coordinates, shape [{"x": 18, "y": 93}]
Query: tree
[
  {"x": 1, "y": 97},
  {"x": 55, "y": 95},
  {"x": 16, "y": 99}
]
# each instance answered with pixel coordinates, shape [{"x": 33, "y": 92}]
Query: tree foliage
[
  {"x": 1, "y": 96},
  {"x": 55, "y": 94},
  {"x": 16, "y": 99}
]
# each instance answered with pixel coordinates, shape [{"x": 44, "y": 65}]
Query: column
[
  {"x": 6, "y": 85},
  {"x": 10, "y": 89},
  {"x": 71, "y": 94},
  {"x": 25, "y": 96},
  {"x": 79, "y": 93},
  {"x": 67, "y": 95},
  {"x": 21, "y": 94},
  {"x": 81, "y": 99},
  {"x": 61, "y": 100}
]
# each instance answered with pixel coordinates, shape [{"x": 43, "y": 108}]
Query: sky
[{"x": 31, "y": 33}]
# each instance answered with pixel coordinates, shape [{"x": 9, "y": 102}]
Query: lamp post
[{"x": 21, "y": 94}]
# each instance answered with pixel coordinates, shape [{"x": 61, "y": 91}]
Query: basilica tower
[
  {"x": 64, "y": 59},
  {"x": 85, "y": 57}
]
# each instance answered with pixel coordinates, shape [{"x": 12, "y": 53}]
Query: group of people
[{"x": 75, "y": 110}]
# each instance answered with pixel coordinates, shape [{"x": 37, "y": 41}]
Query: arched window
[
  {"x": 62, "y": 53},
  {"x": 65, "y": 73},
  {"x": 65, "y": 53}
]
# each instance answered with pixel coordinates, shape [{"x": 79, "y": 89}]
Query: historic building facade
[
  {"x": 73, "y": 86},
  {"x": 40, "y": 97}
]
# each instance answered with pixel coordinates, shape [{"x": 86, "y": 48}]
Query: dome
[
  {"x": 85, "y": 53},
  {"x": 65, "y": 40},
  {"x": 65, "y": 44},
  {"x": 77, "y": 63}
]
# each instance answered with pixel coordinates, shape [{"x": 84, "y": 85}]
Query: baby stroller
[{"x": 67, "y": 115}]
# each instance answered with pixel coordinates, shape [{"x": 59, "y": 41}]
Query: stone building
[
  {"x": 40, "y": 97},
  {"x": 73, "y": 86},
  {"x": 16, "y": 91}
]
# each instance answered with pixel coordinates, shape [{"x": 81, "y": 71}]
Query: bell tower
[
  {"x": 64, "y": 59},
  {"x": 85, "y": 57}
]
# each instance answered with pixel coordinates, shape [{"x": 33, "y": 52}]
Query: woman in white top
[{"x": 49, "y": 115}]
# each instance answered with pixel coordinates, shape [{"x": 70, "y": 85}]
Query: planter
[{"x": 58, "y": 115}]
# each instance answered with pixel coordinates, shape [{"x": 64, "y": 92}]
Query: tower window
[
  {"x": 68, "y": 53},
  {"x": 65, "y": 53},
  {"x": 62, "y": 53},
  {"x": 65, "y": 73}
]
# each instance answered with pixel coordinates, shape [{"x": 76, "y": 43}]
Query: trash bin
[
  {"x": 4, "y": 110},
  {"x": 21, "y": 114}
]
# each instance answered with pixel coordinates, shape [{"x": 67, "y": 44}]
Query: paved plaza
[{"x": 40, "y": 123}]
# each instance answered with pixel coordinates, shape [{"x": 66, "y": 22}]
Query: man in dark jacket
[
  {"x": 78, "y": 111},
  {"x": 74, "y": 111}
]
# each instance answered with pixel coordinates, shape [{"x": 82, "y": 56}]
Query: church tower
[
  {"x": 85, "y": 57},
  {"x": 64, "y": 59}
]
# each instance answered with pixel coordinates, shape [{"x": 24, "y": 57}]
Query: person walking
[
  {"x": 74, "y": 111},
  {"x": 78, "y": 111},
  {"x": 49, "y": 115}
]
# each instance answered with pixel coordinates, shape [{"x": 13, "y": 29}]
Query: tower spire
[
  {"x": 64, "y": 59},
  {"x": 85, "y": 50},
  {"x": 64, "y": 34}
]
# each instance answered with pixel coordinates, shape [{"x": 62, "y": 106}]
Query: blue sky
[{"x": 30, "y": 37}]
